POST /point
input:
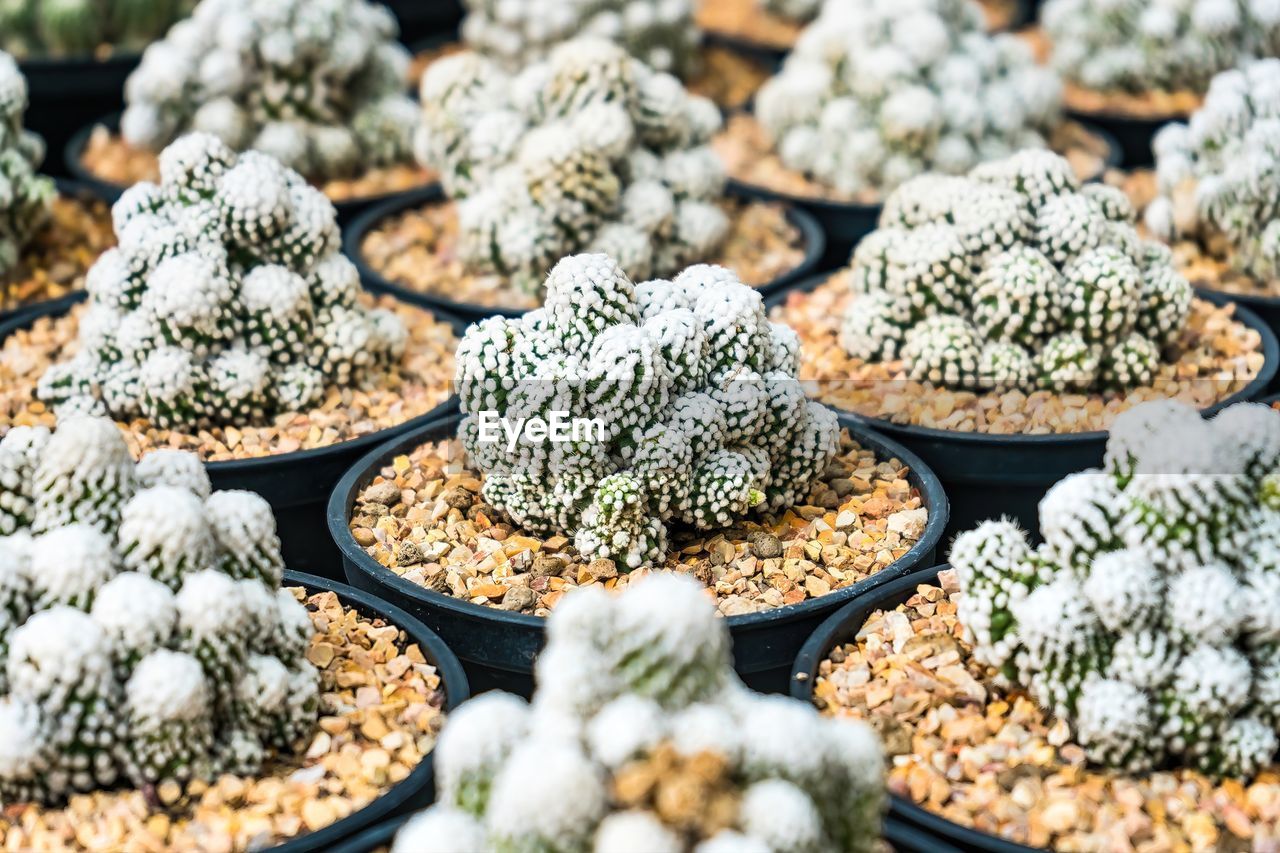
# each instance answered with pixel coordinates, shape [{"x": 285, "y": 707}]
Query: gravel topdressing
[
  {"x": 986, "y": 757},
  {"x": 415, "y": 387},
  {"x": 381, "y": 709},
  {"x": 56, "y": 260},
  {"x": 1217, "y": 356},
  {"x": 109, "y": 158},
  {"x": 423, "y": 519},
  {"x": 418, "y": 250},
  {"x": 749, "y": 157}
]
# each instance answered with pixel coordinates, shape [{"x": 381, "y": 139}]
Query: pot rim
[
  {"x": 342, "y": 500},
  {"x": 1252, "y": 390},
  {"x": 111, "y": 192},
  {"x": 837, "y": 628},
  {"x": 456, "y": 689},
  {"x": 236, "y": 467},
  {"x": 811, "y": 233},
  {"x": 834, "y": 207}
]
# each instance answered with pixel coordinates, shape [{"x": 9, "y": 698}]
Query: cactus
[
  {"x": 661, "y": 35},
  {"x": 1014, "y": 278},
  {"x": 1216, "y": 176},
  {"x": 25, "y": 197},
  {"x": 314, "y": 83},
  {"x": 1146, "y": 618},
  {"x": 688, "y": 395},
  {"x": 81, "y": 28},
  {"x": 874, "y": 95},
  {"x": 639, "y": 687},
  {"x": 1137, "y": 47},
  {"x": 590, "y": 150},
  {"x": 227, "y": 301},
  {"x": 125, "y": 644}
]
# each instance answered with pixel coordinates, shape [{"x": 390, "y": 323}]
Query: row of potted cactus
[{"x": 1014, "y": 304}]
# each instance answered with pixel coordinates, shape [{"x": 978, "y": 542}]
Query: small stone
[
  {"x": 169, "y": 792},
  {"x": 546, "y": 565},
  {"x": 602, "y": 569},
  {"x": 766, "y": 546},
  {"x": 459, "y": 499},
  {"x": 519, "y": 598},
  {"x": 385, "y": 493},
  {"x": 409, "y": 554}
]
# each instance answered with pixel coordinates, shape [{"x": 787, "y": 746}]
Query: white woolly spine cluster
[
  {"x": 875, "y": 94},
  {"x": 588, "y": 150},
  {"x": 1135, "y": 46},
  {"x": 1146, "y": 619},
  {"x": 25, "y": 197},
  {"x": 697, "y": 412},
  {"x": 1014, "y": 277},
  {"x": 135, "y": 632},
  {"x": 1217, "y": 174},
  {"x": 317, "y": 84},
  {"x": 662, "y": 35},
  {"x": 621, "y": 679},
  {"x": 179, "y": 328},
  {"x": 59, "y": 28}
]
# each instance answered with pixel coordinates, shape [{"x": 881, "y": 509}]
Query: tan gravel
[
  {"x": 380, "y": 713},
  {"x": 418, "y": 384},
  {"x": 418, "y": 250},
  {"x": 748, "y": 20},
  {"x": 1217, "y": 356},
  {"x": 986, "y": 757},
  {"x": 109, "y": 158},
  {"x": 55, "y": 261},
  {"x": 747, "y": 151},
  {"x": 422, "y": 518}
]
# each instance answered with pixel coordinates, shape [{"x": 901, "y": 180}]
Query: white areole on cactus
[
  {"x": 877, "y": 92},
  {"x": 703, "y": 416},
  {"x": 138, "y": 640},
  {"x": 1147, "y": 619},
  {"x": 622, "y": 679}
]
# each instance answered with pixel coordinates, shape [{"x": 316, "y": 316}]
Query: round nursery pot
[
  {"x": 66, "y": 93},
  {"x": 379, "y": 837},
  {"x": 845, "y": 223},
  {"x": 768, "y": 55},
  {"x": 1131, "y": 133},
  {"x": 73, "y": 152},
  {"x": 417, "y": 790},
  {"x": 989, "y": 476},
  {"x": 844, "y": 625},
  {"x": 66, "y": 188},
  {"x": 498, "y": 647},
  {"x": 811, "y": 234},
  {"x": 297, "y": 484}
]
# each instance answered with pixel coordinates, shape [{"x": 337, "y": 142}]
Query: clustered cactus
[
  {"x": 1217, "y": 175},
  {"x": 143, "y": 630},
  {"x": 1014, "y": 277},
  {"x": 640, "y": 737},
  {"x": 81, "y": 27},
  {"x": 25, "y": 197},
  {"x": 226, "y": 302},
  {"x": 1140, "y": 46},
  {"x": 877, "y": 92},
  {"x": 590, "y": 150},
  {"x": 1150, "y": 617},
  {"x": 660, "y": 34},
  {"x": 700, "y": 416},
  {"x": 317, "y": 84}
]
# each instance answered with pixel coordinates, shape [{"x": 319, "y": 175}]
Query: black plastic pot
[
  {"x": 354, "y": 234},
  {"x": 988, "y": 476},
  {"x": 64, "y": 94},
  {"x": 768, "y": 55},
  {"x": 417, "y": 790},
  {"x": 844, "y": 625},
  {"x": 845, "y": 223},
  {"x": 297, "y": 485},
  {"x": 1132, "y": 133},
  {"x": 498, "y": 647},
  {"x": 902, "y": 838},
  {"x": 72, "y": 162},
  {"x": 70, "y": 188},
  {"x": 423, "y": 18}
]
